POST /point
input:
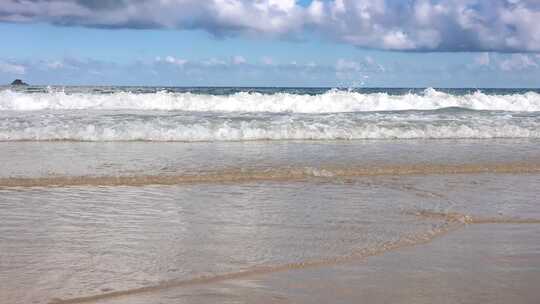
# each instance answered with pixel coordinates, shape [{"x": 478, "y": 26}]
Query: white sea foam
[
  {"x": 333, "y": 101},
  {"x": 159, "y": 130}
]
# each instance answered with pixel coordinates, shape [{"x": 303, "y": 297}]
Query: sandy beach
[
  {"x": 270, "y": 151},
  {"x": 270, "y": 222},
  {"x": 486, "y": 263},
  {"x": 209, "y": 195}
]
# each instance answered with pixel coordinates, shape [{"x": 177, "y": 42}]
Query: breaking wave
[
  {"x": 149, "y": 132},
  {"x": 333, "y": 101},
  {"x": 192, "y": 128},
  {"x": 239, "y": 116}
]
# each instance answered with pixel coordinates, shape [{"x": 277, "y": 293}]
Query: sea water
[{"x": 111, "y": 193}]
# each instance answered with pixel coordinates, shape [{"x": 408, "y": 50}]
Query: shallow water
[
  {"x": 79, "y": 241},
  {"x": 171, "y": 195},
  {"x": 49, "y": 159},
  {"x": 493, "y": 263}
]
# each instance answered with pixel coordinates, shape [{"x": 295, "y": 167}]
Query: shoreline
[
  {"x": 407, "y": 274},
  {"x": 243, "y": 175},
  {"x": 267, "y": 222}
]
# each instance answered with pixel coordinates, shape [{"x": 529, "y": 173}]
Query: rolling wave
[
  {"x": 333, "y": 101},
  {"x": 195, "y": 128},
  {"x": 118, "y": 115}
]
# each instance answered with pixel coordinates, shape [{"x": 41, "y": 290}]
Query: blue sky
[{"x": 389, "y": 43}]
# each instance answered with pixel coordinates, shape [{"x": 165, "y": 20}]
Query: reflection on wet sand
[
  {"x": 130, "y": 233},
  {"x": 449, "y": 222}
]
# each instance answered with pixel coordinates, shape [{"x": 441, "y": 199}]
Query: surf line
[{"x": 449, "y": 222}]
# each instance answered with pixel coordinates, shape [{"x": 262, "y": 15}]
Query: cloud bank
[
  {"x": 12, "y": 68},
  {"x": 411, "y": 25},
  {"x": 477, "y": 70}
]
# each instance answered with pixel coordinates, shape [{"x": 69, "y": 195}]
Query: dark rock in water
[{"x": 18, "y": 82}]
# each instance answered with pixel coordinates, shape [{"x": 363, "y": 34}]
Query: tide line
[{"x": 240, "y": 175}]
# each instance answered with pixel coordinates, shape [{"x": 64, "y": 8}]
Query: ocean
[
  {"x": 233, "y": 114},
  {"x": 205, "y": 195}
]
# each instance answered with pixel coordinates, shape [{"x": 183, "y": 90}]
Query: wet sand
[
  {"x": 270, "y": 222},
  {"x": 479, "y": 263}
]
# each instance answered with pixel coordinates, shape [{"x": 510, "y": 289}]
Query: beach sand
[
  {"x": 266, "y": 222},
  {"x": 478, "y": 263}
]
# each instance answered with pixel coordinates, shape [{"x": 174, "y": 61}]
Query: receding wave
[
  {"x": 448, "y": 222},
  {"x": 269, "y": 174},
  {"x": 189, "y": 127},
  {"x": 333, "y": 101},
  {"x": 469, "y": 219},
  {"x": 447, "y": 225}
]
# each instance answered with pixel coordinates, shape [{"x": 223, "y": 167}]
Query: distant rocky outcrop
[{"x": 18, "y": 82}]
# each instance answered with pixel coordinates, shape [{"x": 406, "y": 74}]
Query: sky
[{"x": 307, "y": 43}]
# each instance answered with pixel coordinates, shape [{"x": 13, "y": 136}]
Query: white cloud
[
  {"x": 347, "y": 65},
  {"x": 482, "y": 59},
  {"x": 367, "y": 64},
  {"x": 316, "y": 11},
  {"x": 444, "y": 25},
  {"x": 171, "y": 60},
  {"x": 397, "y": 41},
  {"x": 12, "y": 68},
  {"x": 416, "y": 25},
  {"x": 212, "y": 62},
  {"x": 55, "y": 64},
  {"x": 238, "y": 60},
  {"x": 506, "y": 63},
  {"x": 518, "y": 62},
  {"x": 348, "y": 70}
]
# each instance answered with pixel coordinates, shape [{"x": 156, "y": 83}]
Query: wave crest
[
  {"x": 333, "y": 101},
  {"x": 256, "y": 130}
]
